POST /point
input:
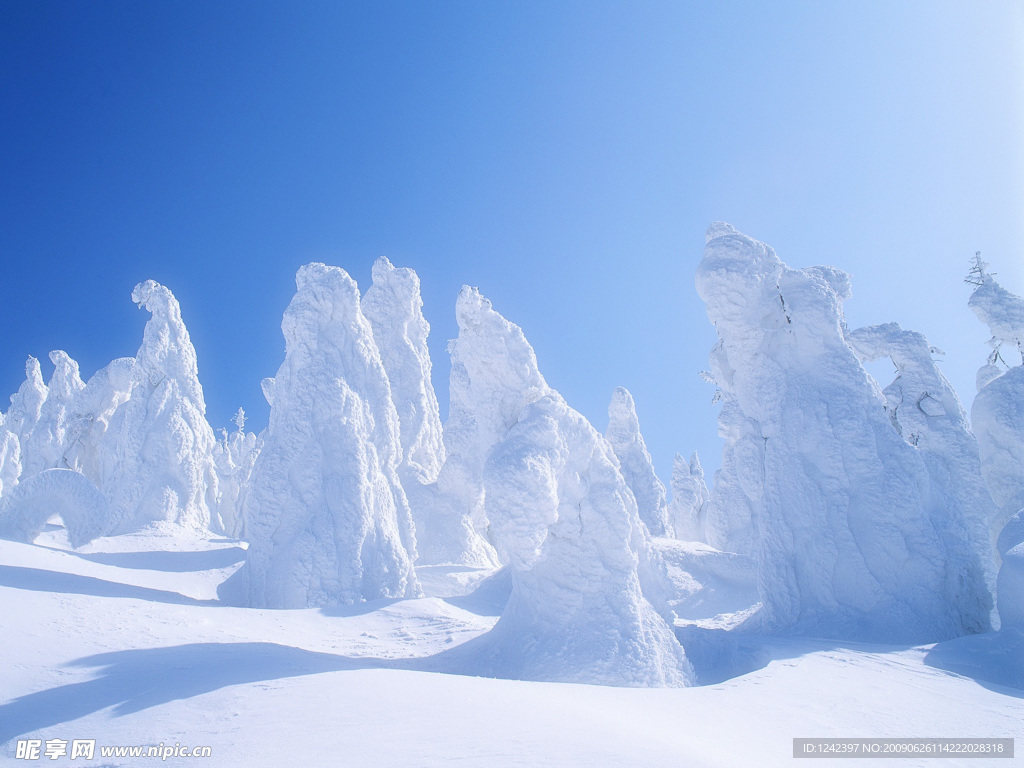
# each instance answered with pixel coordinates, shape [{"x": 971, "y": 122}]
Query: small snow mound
[{"x": 63, "y": 492}]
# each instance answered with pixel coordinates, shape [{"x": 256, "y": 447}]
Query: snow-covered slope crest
[
  {"x": 158, "y": 445},
  {"x": 325, "y": 510},
  {"x": 635, "y": 463},
  {"x": 849, "y": 543},
  {"x": 563, "y": 518}
]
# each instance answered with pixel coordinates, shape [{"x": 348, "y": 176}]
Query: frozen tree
[
  {"x": 234, "y": 456},
  {"x": 158, "y": 445},
  {"x": 854, "y": 539},
  {"x": 562, "y": 517},
  {"x": 688, "y": 509},
  {"x": 325, "y": 512},
  {"x": 623, "y": 434},
  {"x": 998, "y": 420}
]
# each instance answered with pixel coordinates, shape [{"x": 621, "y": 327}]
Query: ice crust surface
[
  {"x": 325, "y": 513},
  {"x": 854, "y": 539}
]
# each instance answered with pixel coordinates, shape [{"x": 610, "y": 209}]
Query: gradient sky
[{"x": 566, "y": 158}]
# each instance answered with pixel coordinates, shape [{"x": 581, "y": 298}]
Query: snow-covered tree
[
  {"x": 997, "y": 416},
  {"x": 157, "y": 448},
  {"x": 853, "y": 539},
  {"x": 562, "y": 517}
]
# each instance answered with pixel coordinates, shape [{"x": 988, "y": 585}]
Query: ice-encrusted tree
[
  {"x": 853, "y": 540},
  {"x": 635, "y": 463},
  {"x": 394, "y": 308},
  {"x": 325, "y": 513},
  {"x": 688, "y": 508},
  {"x": 563, "y": 519},
  {"x": 158, "y": 445},
  {"x": 997, "y": 416}
]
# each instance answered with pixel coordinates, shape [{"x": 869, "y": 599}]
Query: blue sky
[{"x": 565, "y": 158}]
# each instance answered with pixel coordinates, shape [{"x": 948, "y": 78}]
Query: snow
[
  {"x": 325, "y": 512},
  {"x": 853, "y": 540},
  {"x": 163, "y": 661},
  {"x": 83, "y": 509},
  {"x": 572, "y": 617},
  {"x": 635, "y": 463}
]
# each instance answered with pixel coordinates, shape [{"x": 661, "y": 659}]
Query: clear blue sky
[{"x": 565, "y": 158}]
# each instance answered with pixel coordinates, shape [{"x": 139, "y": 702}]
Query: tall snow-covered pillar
[
  {"x": 849, "y": 539},
  {"x": 324, "y": 507}
]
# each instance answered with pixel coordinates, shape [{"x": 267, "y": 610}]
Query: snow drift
[{"x": 854, "y": 539}]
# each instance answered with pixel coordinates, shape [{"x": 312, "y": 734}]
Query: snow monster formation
[
  {"x": 563, "y": 518},
  {"x": 854, "y": 538},
  {"x": 998, "y": 418},
  {"x": 394, "y": 308},
  {"x": 157, "y": 447},
  {"x": 325, "y": 513},
  {"x": 234, "y": 456},
  {"x": 26, "y": 403},
  {"x": 635, "y": 463}
]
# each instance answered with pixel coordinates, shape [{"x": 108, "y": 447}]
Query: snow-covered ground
[{"x": 125, "y": 641}]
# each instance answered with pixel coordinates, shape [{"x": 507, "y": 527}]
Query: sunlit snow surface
[{"x": 124, "y": 641}]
